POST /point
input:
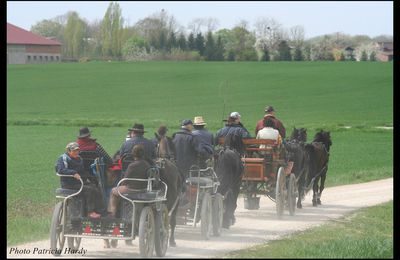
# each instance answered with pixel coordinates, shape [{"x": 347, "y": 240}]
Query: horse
[
  {"x": 169, "y": 173},
  {"x": 229, "y": 169},
  {"x": 295, "y": 150},
  {"x": 318, "y": 152}
]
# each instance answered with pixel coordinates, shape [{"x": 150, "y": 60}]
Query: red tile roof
[{"x": 16, "y": 35}]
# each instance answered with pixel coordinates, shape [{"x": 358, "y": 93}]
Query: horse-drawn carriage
[
  {"x": 267, "y": 172},
  {"x": 142, "y": 213},
  {"x": 201, "y": 202}
]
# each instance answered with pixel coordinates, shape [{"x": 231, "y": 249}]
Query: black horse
[
  {"x": 318, "y": 152},
  {"x": 169, "y": 173},
  {"x": 229, "y": 169},
  {"x": 296, "y": 152}
]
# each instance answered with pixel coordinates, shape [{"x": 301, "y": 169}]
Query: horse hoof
[{"x": 172, "y": 243}]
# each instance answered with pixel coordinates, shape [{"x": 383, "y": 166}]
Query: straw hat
[{"x": 198, "y": 120}]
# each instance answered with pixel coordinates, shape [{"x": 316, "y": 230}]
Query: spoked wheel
[
  {"x": 292, "y": 194},
  {"x": 57, "y": 239},
  {"x": 146, "y": 232},
  {"x": 74, "y": 242},
  {"x": 162, "y": 231},
  {"x": 280, "y": 192},
  {"x": 206, "y": 216},
  {"x": 217, "y": 213}
]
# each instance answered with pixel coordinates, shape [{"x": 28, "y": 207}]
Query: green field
[{"x": 47, "y": 104}]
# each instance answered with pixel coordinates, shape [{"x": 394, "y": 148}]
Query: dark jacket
[
  {"x": 89, "y": 144},
  {"x": 186, "y": 150},
  {"x": 137, "y": 170},
  {"x": 69, "y": 166},
  {"x": 237, "y": 129},
  {"x": 205, "y": 142},
  {"x": 149, "y": 149},
  {"x": 277, "y": 125}
]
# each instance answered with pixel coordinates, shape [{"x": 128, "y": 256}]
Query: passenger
[
  {"x": 138, "y": 170},
  {"x": 270, "y": 113},
  {"x": 268, "y": 132},
  {"x": 233, "y": 126},
  {"x": 137, "y": 132},
  {"x": 86, "y": 143},
  {"x": 70, "y": 163},
  {"x": 205, "y": 141}
]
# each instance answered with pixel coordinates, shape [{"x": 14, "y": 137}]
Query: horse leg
[
  {"x": 315, "y": 192},
  {"x": 301, "y": 190},
  {"x": 172, "y": 223},
  {"x": 321, "y": 188}
]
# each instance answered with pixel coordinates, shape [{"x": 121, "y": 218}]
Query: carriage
[
  {"x": 267, "y": 172},
  {"x": 201, "y": 202},
  {"x": 142, "y": 213}
]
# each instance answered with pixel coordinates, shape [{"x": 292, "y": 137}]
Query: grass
[
  {"x": 367, "y": 233},
  {"x": 48, "y": 103}
]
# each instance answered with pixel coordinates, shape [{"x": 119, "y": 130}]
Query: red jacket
[
  {"x": 87, "y": 144},
  {"x": 278, "y": 125}
]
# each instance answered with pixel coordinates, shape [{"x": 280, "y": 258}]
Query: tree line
[{"x": 160, "y": 37}]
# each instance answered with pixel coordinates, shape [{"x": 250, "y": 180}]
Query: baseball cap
[
  {"x": 235, "y": 115},
  {"x": 72, "y": 146}
]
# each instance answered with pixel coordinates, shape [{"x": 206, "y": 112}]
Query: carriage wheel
[
  {"x": 146, "y": 232},
  {"x": 114, "y": 243},
  {"x": 206, "y": 216},
  {"x": 57, "y": 239},
  {"x": 280, "y": 192},
  {"x": 292, "y": 194},
  {"x": 74, "y": 242},
  {"x": 217, "y": 214},
  {"x": 162, "y": 231}
]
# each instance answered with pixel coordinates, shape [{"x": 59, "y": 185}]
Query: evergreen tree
[
  {"x": 209, "y": 50},
  {"x": 298, "y": 55},
  {"x": 162, "y": 41},
  {"x": 219, "y": 50},
  {"x": 364, "y": 56},
  {"x": 191, "y": 42},
  {"x": 172, "y": 42},
  {"x": 284, "y": 51},
  {"x": 200, "y": 44},
  {"x": 372, "y": 56},
  {"x": 182, "y": 42},
  {"x": 265, "y": 55}
]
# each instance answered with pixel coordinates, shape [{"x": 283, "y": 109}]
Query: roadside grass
[{"x": 366, "y": 233}]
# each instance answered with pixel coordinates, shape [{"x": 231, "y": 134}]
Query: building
[
  {"x": 385, "y": 51},
  {"x": 25, "y": 47}
]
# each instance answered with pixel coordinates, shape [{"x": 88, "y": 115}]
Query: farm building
[
  {"x": 385, "y": 51},
  {"x": 26, "y": 47}
]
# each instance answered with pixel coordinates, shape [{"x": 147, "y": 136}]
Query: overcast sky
[{"x": 371, "y": 18}]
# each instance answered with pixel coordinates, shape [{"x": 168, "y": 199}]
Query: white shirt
[{"x": 268, "y": 133}]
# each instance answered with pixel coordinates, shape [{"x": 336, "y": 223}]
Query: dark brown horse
[
  {"x": 318, "y": 152},
  {"x": 296, "y": 152},
  {"x": 169, "y": 174}
]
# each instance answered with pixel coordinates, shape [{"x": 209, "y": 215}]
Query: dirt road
[{"x": 252, "y": 226}]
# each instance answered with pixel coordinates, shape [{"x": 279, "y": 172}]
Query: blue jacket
[
  {"x": 186, "y": 148},
  {"x": 149, "y": 149},
  {"x": 238, "y": 129},
  {"x": 205, "y": 142},
  {"x": 69, "y": 166}
]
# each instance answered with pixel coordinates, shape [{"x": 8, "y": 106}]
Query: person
[
  {"x": 86, "y": 143},
  {"x": 233, "y": 126},
  {"x": 138, "y": 170},
  {"x": 268, "y": 132},
  {"x": 270, "y": 112},
  {"x": 137, "y": 132},
  {"x": 70, "y": 163},
  {"x": 205, "y": 141},
  {"x": 186, "y": 148}
]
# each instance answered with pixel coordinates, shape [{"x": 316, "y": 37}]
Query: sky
[{"x": 370, "y": 18}]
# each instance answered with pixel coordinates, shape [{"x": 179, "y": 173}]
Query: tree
[
  {"x": 372, "y": 56},
  {"x": 111, "y": 31},
  {"x": 191, "y": 42},
  {"x": 265, "y": 55},
  {"x": 199, "y": 43},
  {"x": 269, "y": 33},
  {"x": 182, "y": 42},
  {"x": 364, "y": 56},
  {"x": 172, "y": 42},
  {"x": 48, "y": 28},
  {"x": 74, "y": 35},
  {"x": 298, "y": 55},
  {"x": 284, "y": 51},
  {"x": 209, "y": 50},
  {"x": 342, "y": 57},
  {"x": 219, "y": 50}
]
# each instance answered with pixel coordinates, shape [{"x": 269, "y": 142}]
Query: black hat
[
  {"x": 269, "y": 109},
  {"x": 137, "y": 128},
  {"x": 83, "y": 132},
  {"x": 186, "y": 122}
]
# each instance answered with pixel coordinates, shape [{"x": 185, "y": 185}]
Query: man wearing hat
[
  {"x": 137, "y": 132},
  {"x": 86, "y": 143},
  {"x": 270, "y": 113},
  {"x": 70, "y": 163},
  {"x": 186, "y": 148},
  {"x": 233, "y": 126},
  {"x": 205, "y": 140}
]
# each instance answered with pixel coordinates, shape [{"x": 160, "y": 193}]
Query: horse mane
[
  {"x": 299, "y": 134},
  {"x": 234, "y": 141},
  {"x": 323, "y": 137}
]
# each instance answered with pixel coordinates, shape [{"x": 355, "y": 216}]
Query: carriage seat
[
  {"x": 143, "y": 195},
  {"x": 253, "y": 160},
  {"x": 202, "y": 181},
  {"x": 64, "y": 192}
]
